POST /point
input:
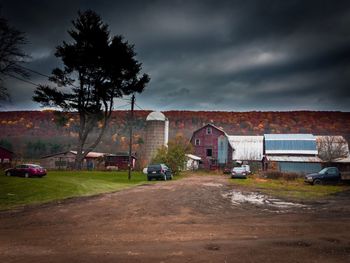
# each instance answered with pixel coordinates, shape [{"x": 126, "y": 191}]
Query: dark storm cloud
[{"x": 211, "y": 55}]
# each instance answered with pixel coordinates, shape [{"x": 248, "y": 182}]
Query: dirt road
[{"x": 189, "y": 220}]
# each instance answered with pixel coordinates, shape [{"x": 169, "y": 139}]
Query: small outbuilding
[
  {"x": 6, "y": 157},
  {"x": 65, "y": 160},
  {"x": 119, "y": 161},
  {"x": 192, "y": 162}
]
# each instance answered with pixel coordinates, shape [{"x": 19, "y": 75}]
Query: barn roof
[
  {"x": 290, "y": 144},
  {"x": 247, "y": 147}
]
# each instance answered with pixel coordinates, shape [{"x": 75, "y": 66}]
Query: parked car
[
  {"x": 26, "y": 170},
  {"x": 326, "y": 175},
  {"x": 159, "y": 171},
  {"x": 239, "y": 172},
  {"x": 247, "y": 168}
]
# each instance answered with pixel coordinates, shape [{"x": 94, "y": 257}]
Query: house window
[
  {"x": 209, "y": 152},
  {"x": 197, "y": 142},
  {"x": 6, "y": 160},
  {"x": 209, "y": 130}
]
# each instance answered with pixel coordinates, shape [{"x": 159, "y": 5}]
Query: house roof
[
  {"x": 297, "y": 159},
  {"x": 6, "y": 149},
  {"x": 247, "y": 147}
]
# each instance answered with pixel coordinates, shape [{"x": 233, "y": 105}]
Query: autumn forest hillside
[{"x": 36, "y": 133}]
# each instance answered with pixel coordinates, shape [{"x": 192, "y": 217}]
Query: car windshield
[{"x": 323, "y": 171}]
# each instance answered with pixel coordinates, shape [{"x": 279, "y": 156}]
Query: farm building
[
  {"x": 292, "y": 153},
  {"x": 6, "y": 157},
  {"x": 211, "y": 144},
  {"x": 249, "y": 149},
  {"x": 120, "y": 161},
  {"x": 192, "y": 162},
  {"x": 65, "y": 160}
]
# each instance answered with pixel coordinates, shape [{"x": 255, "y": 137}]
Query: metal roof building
[
  {"x": 247, "y": 148},
  {"x": 292, "y": 152},
  {"x": 290, "y": 144}
]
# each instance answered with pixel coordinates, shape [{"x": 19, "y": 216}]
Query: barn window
[
  {"x": 197, "y": 142},
  {"x": 209, "y": 152},
  {"x": 209, "y": 130}
]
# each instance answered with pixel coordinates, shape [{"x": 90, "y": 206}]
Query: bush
[{"x": 280, "y": 175}]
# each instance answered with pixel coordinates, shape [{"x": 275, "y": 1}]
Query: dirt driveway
[{"x": 189, "y": 220}]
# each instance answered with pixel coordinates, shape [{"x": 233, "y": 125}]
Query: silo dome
[{"x": 156, "y": 116}]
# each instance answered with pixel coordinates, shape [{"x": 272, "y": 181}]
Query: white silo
[{"x": 156, "y": 134}]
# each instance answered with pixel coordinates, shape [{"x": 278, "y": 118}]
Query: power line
[
  {"x": 24, "y": 80},
  {"x": 33, "y": 71},
  {"x": 138, "y": 106},
  {"x": 41, "y": 74}
]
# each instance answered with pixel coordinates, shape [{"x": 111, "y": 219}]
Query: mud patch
[
  {"x": 296, "y": 243},
  {"x": 212, "y": 247},
  {"x": 260, "y": 200}
]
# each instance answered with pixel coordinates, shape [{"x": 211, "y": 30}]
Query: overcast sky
[{"x": 208, "y": 55}]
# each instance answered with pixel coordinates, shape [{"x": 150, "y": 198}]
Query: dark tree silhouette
[
  {"x": 11, "y": 53},
  {"x": 97, "y": 69}
]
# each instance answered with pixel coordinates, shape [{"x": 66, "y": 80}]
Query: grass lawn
[
  {"x": 16, "y": 191},
  {"x": 295, "y": 189}
]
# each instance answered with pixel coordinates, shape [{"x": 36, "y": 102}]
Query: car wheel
[
  {"x": 8, "y": 173},
  {"x": 317, "y": 182},
  {"x": 26, "y": 175}
]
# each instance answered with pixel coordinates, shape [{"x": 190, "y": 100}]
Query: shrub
[{"x": 280, "y": 175}]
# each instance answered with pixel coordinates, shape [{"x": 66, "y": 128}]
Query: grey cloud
[{"x": 210, "y": 55}]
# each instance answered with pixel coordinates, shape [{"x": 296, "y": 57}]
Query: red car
[{"x": 26, "y": 170}]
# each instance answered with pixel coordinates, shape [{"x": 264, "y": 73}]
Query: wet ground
[{"x": 197, "y": 219}]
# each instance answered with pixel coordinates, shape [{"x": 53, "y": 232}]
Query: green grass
[
  {"x": 57, "y": 185},
  {"x": 295, "y": 189}
]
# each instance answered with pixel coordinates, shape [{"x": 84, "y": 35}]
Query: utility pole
[{"x": 131, "y": 123}]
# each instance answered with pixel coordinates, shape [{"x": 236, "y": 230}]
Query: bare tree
[
  {"x": 11, "y": 53},
  {"x": 331, "y": 148}
]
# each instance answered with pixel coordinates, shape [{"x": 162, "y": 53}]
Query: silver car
[{"x": 239, "y": 172}]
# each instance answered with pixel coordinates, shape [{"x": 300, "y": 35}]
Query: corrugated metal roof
[
  {"x": 288, "y": 158},
  {"x": 290, "y": 136},
  {"x": 247, "y": 147},
  {"x": 91, "y": 154},
  {"x": 194, "y": 157},
  {"x": 290, "y": 144}
]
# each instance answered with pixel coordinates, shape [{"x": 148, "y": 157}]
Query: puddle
[
  {"x": 212, "y": 184},
  {"x": 257, "y": 199}
]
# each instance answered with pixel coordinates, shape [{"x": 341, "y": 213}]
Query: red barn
[
  {"x": 120, "y": 160},
  {"x": 6, "y": 157},
  {"x": 212, "y": 145}
]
